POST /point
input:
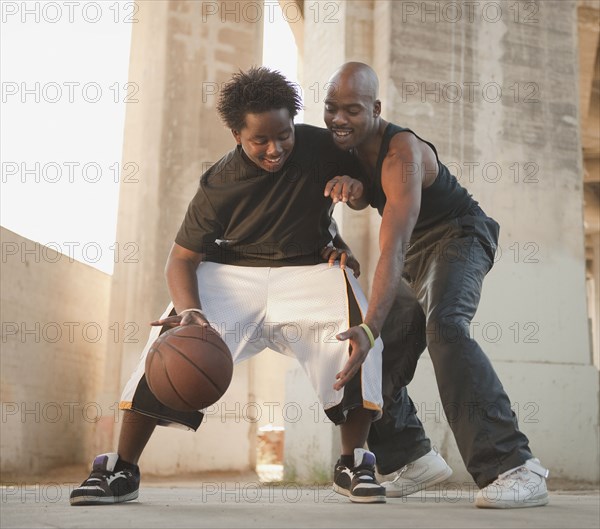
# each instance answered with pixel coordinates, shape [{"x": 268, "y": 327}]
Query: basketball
[{"x": 189, "y": 368}]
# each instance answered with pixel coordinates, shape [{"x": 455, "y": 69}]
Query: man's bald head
[
  {"x": 357, "y": 77},
  {"x": 352, "y": 111}
]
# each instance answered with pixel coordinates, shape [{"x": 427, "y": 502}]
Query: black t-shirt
[
  {"x": 246, "y": 216},
  {"x": 444, "y": 199}
]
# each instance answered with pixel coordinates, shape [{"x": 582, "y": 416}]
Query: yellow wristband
[{"x": 365, "y": 328}]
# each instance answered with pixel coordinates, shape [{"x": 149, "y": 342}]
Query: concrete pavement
[{"x": 216, "y": 502}]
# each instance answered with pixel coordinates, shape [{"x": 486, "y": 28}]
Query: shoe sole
[
  {"x": 367, "y": 499},
  {"x": 340, "y": 490},
  {"x": 538, "y": 501},
  {"x": 103, "y": 500},
  {"x": 408, "y": 490},
  {"x": 358, "y": 499}
]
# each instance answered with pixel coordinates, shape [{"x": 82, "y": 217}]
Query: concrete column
[
  {"x": 345, "y": 30},
  {"x": 494, "y": 89},
  {"x": 181, "y": 52},
  {"x": 589, "y": 110},
  {"x": 492, "y": 86}
]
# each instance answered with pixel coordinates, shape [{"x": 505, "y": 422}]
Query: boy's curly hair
[{"x": 255, "y": 91}]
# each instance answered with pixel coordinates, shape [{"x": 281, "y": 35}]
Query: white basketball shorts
[{"x": 294, "y": 310}]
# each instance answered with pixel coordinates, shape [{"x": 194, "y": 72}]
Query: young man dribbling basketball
[{"x": 248, "y": 254}]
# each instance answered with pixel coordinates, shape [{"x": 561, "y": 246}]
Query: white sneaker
[
  {"x": 523, "y": 486},
  {"x": 420, "y": 474}
]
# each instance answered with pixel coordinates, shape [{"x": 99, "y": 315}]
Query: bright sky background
[{"x": 69, "y": 199}]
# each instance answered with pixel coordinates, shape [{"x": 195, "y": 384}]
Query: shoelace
[
  {"x": 365, "y": 474},
  {"x": 406, "y": 468},
  {"x": 105, "y": 474},
  {"x": 518, "y": 474},
  {"x": 403, "y": 470}
]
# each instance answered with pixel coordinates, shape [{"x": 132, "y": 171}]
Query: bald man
[{"x": 436, "y": 247}]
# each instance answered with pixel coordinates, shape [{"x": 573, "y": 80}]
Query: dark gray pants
[{"x": 444, "y": 271}]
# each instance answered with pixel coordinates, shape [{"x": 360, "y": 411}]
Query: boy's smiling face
[{"x": 267, "y": 138}]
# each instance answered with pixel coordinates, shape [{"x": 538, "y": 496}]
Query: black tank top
[{"x": 444, "y": 199}]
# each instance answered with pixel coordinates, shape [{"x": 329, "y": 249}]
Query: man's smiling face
[{"x": 350, "y": 112}]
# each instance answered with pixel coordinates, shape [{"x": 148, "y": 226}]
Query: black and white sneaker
[
  {"x": 359, "y": 483},
  {"x": 106, "y": 484},
  {"x": 342, "y": 479}
]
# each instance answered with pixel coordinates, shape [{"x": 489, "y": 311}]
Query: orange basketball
[{"x": 189, "y": 367}]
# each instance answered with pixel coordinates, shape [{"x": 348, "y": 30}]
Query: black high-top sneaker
[
  {"x": 107, "y": 484},
  {"x": 359, "y": 483},
  {"x": 342, "y": 478}
]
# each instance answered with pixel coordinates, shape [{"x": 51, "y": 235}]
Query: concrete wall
[
  {"x": 54, "y": 335},
  {"x": 494, "y": 91},
  {"x": 532, "y": 321},
  {"x": 519, "y": 155}
]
